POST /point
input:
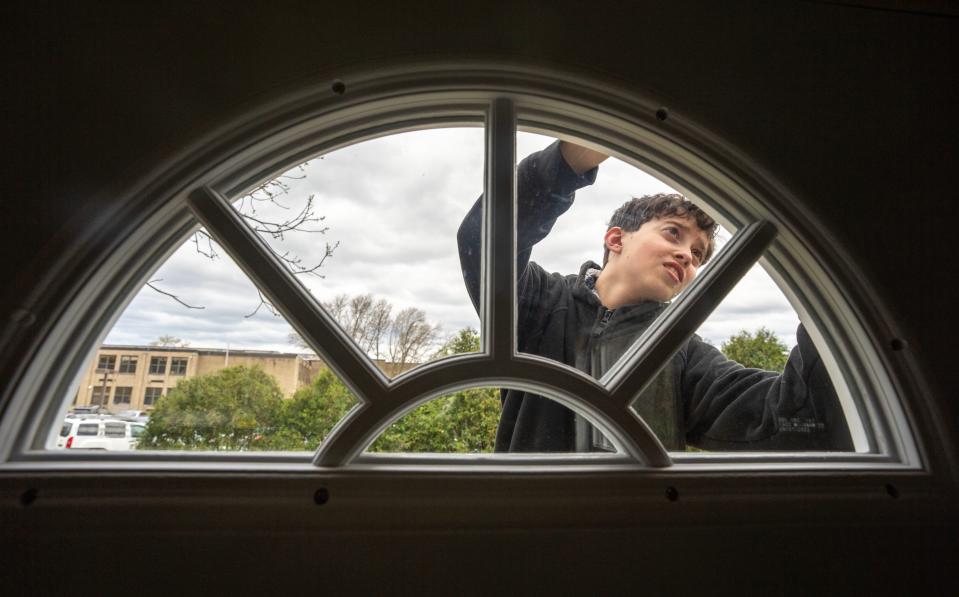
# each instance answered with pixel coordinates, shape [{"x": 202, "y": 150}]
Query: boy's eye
[{"x": 672, "y": 230}]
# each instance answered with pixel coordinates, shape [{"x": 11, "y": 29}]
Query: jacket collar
[{"x": 585, "y": 288}]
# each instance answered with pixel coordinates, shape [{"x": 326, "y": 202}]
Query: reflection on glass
[{"x": 370, "y": 230}]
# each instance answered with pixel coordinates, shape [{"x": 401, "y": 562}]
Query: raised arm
[
  {"x": 546, "y": 184},
  {"x": 580, "y": 159}
]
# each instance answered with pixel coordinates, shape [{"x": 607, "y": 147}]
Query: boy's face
[{"x": 657, "y": 261}]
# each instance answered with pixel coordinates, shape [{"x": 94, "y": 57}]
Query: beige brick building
[{"x": 134, "y": 377}]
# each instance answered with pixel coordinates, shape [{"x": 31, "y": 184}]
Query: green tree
[
  {"x": 241, "y": 408},
  {"x": 461, "y": 422},
  {"x": 762, "y": 350},
  {"x": 235, "y": 408},
  {"x": 401, "y": 340},
  {"x": 307, "y": 418},
  {"x": 466, "y": 340},
  {"x": 464, "y": 421}
]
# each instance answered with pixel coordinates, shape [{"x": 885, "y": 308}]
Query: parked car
[
  {"x": 138, "y": 416},
  {"x": 94, "y": 432},
  {"x": 93, "y": 409}
]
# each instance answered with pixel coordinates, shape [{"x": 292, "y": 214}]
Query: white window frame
[{"x": 686, "y": 157}]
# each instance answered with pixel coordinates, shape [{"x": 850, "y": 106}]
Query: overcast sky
[{"x": 393, "y": 205}]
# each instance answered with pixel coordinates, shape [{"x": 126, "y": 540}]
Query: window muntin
[
  {"x": 100, "y": 395},
  {"x": 695, "y": 178},
  {"x": 178, "y": 365},
  {"x": 107, "y": 362},
  {"x": 755, "y": 326},
  {"x": 151, "y": 395},
  {"x": 128, "y": 364},
  {"x": 158, "y": 365},
  {"x": 230, "y": 389},
  {"x": 370, "y": 230},
  {"x": 122, "y": 394},
  {"x": 674, "y": 408}
]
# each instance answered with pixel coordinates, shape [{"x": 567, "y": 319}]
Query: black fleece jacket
[{"x": 700, "y": 397}]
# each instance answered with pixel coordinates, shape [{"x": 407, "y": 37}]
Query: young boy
[{"x": 652, "y": 251}]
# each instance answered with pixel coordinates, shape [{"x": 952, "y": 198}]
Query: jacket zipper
[{"x": 600, "y": 326}]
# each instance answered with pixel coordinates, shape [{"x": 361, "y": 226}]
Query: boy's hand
[{"x": 579, "y": 158}]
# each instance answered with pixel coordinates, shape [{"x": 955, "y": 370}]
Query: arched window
[{"x": 201, "y": 199}]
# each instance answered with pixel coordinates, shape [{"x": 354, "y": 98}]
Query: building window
[
  {"x": 128, "y": 364},
  {"x": 121, "y": 395},
  {"x": 178, "y": 366},
  {"x": 157, "y": 365},
  {"x": 100, "y": 395},
  {"x": 107, "y": 362},
  {"x": 151, "y": 395}
]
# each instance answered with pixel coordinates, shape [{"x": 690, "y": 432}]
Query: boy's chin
[{"x": 658, "y": 297}]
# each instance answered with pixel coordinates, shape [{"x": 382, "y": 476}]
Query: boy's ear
[{"x": 614, "y": 239}]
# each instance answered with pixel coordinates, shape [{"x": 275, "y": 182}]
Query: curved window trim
[{"x": 676, "y": 151}]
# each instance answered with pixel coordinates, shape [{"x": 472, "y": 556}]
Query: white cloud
[{"x": 394, "y": 205}]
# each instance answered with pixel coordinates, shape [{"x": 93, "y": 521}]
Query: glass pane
[
  {"x": 88, "y": 429},
  {"x": 564, "y": 210},
  {"x": 114, "y": 429},
  {"x": 216, "y": 369},
  {"x": 371, "y": 231},
  {"x": 562, "y": 223},
  {"x": 766, "y": 387},
  {"x": 462, "y": 422},
  {"x": 602, "y": 267}
]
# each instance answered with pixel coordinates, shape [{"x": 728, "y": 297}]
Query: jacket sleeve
[
  {"x": 730, "y": 407},
  {"x": 545, "y": 188}
]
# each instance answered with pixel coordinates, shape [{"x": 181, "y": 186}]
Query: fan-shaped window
[{"x": 377, "y": 266}]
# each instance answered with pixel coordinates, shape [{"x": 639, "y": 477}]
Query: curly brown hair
[{"x": 639, "y": 210}]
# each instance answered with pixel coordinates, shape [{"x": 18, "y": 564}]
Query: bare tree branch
[
  {"x": 409, "y": 339},
  {"x": 402, "y": 340},
  {"x": 173, "y": 296},
  {"x": 201, "y": 236},
  {"x": 277, "y": 229},
  {"x": 303, "y": 221},
  {"x": 263, "y": 303},
  {"x": 295, "y": 263}
]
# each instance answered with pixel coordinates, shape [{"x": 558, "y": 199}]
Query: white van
[{"x": 99, "y": 433}]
